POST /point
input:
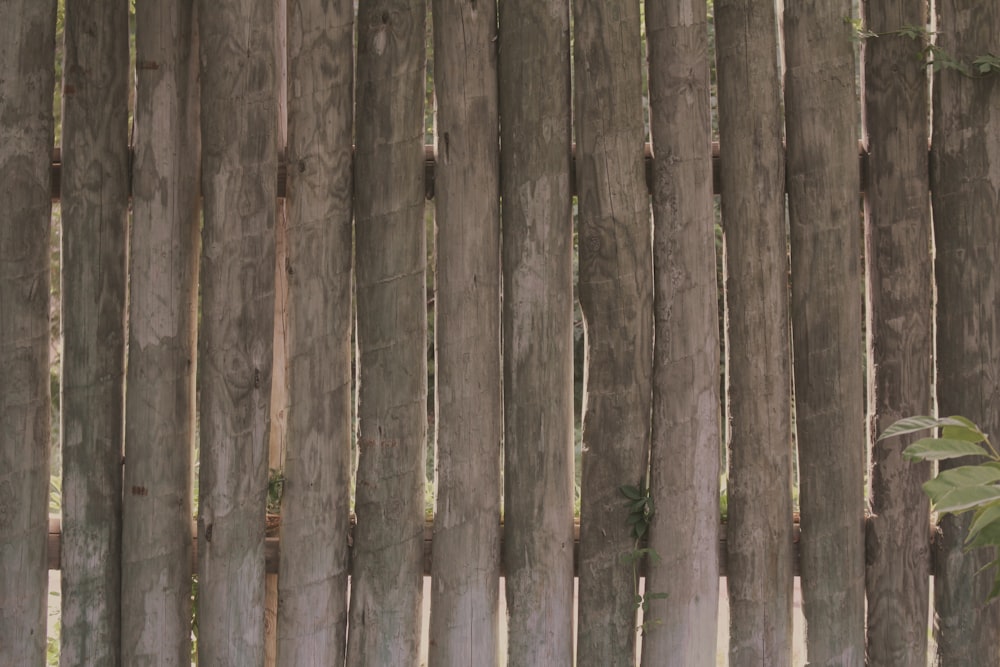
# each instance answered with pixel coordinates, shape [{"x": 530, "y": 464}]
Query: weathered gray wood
[
  {"x": 616, "y": 293},
  {"x": 966, "y": 197},
  {"x": 312, "y": 588},
  {"x": 239, "y": 165},
  {"x": 94, "y": 213},
  {"x": 758, "y": 374},
  {"x": 387, "y": 582},
  {"x": 684, "y": 459},
  {"x": 537, "y": 329},
  {"x": 163, "y": 278},
  {"x": 466, "y": 566},
  {"x": 824, "y": 213},
  {"x": 27, "y": 42},
  {"x": 899, "y": 347}
]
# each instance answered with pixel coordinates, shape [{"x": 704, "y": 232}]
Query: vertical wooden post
[
  {"x": 466, "y": 565},
  {"x": 616, "y": 295},
  {"x": 27, "y": 42},
  {"x": 163, "y": 302},
  {"x": 759, "y": 383},
  {"x": 95, "y": 180},
  {"x": 899, "y": 347},
  {"x": 824, "y": 212},
  {"x": 315, "y": 511},
  {"x": 391, "y": 252},
  {"x": 279, "y": 383},
  {"x": 684, "y": 459},
  {"x": 964, "y": 188},
  {"x": 239, "y": 166},
  {"x": 537, "y": 329}
]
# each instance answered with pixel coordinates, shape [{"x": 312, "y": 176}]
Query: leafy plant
[
  {"x": 965, "y": 488},
  {"x": 938, "y": 58},
  {"x": 640, "y": 505},
  {"x": 275, "y": 489}
]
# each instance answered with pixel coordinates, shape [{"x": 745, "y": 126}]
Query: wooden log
[
  {"x": 615, "y": 287},
  {"x": 464, "y": 621},
  {"x": 239, "y": 162},
  {"x": 537, "y": 321},
  {"x": 899, "y": 347},
  {"x": 387, "y": 583},
  {"x": 758, "y": 374},
  {"x": 27, "y": 42},
  {"x": 94, "y": 214},
  {"x": 312, "y": 623},
  {"x": 824, "y": 216},
  {"x": 966, "y": 160},
  {"x": 684, "y": 458},
  {"x": 163, "y": 315}
]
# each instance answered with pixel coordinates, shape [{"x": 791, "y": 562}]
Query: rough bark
[
  {"x": 616, "y": 298},
  {"x": 27, "y": 42},
  {"x": 312, "y": 589},
  {"x": 684, "y": 459},
  {"x": 163, "y": 299},
  {"x": 94, "y": 213},
  {"x": 387, "y": 582},
  {"x": 537, "y": 329},
  {"x": 758, "y": 377},
  {"x": 899, "y": 347},
  {"x": 966, "y": 197},
  {"x": 239, "y": 166},
  {"x": 824, "y": 211},
  {"x": 466, "y": 564}
]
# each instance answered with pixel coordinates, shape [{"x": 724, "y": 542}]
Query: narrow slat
[
  {"x": 899, "y": 347},
  {"x": 824, "y": 215},
  {"x": 312, "y": 621},
  {"x": 94, "y": 216},
  {"x": 616, "y": 295},
  {"x": 163, "y": 278},
  {"x": 758, "y": 374},
  {"x": 387, "y": 582},
  {"x": 684, "y": 460},
  {"x": 239, "y": 163},
  {"x": 464, "y": 620},
  {"x": 966, "y": 161},
  {"x": 537, "y": 329},
  {"x": 27, "y": 42}
]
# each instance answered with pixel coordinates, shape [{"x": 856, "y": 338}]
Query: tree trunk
[
  {"x": 315, "y": 508},
  {"x": 897, "y": 251},
  {"x": 537, "y": 329},
  {"x": 27, "y": 42},
  {"x": 466, "y": 563},
  {"x": 822, "y": 126},
  {"x": 239, "y": 165},
  {"x": 966, "y": 198},
  {"x": 753, "y": 208},
  {"x": 95, "y": 179},
  {"x": 684, "y": 459},
  {"x": 616, "y": 298},
  {"x": 391, "y": 247},
  {"x": 163, "y": 301}
]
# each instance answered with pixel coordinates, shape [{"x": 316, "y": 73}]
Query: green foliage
[
  {"x": 275, "y": 489},
  {"x": 929, "y": 52},
  {"x": 974, "y": 487},
  {"x": 640, "y": 513}
]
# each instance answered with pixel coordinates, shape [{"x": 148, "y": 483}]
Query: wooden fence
[{"x": 297, "y": 128}]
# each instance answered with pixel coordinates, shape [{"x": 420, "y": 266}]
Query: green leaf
[
  {"x": 965, "y": 498},
  {"x": 937, "y": 449},
  {"x": 918, "y": 423},
  {"x": 634, "y": 519},
  {"x": 640, "y": 529},
  {"x": 966, "y": 431},
  {"x": 987, "y": 528},
  {"x": 638, "y": 506},
  {"x": 630, "y": 492},
  {"x": 995, "y": 591}
]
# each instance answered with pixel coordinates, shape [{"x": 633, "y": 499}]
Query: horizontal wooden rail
[
  {"x": 271, "y": 550},
  {"x": 430, "y": 162}
]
